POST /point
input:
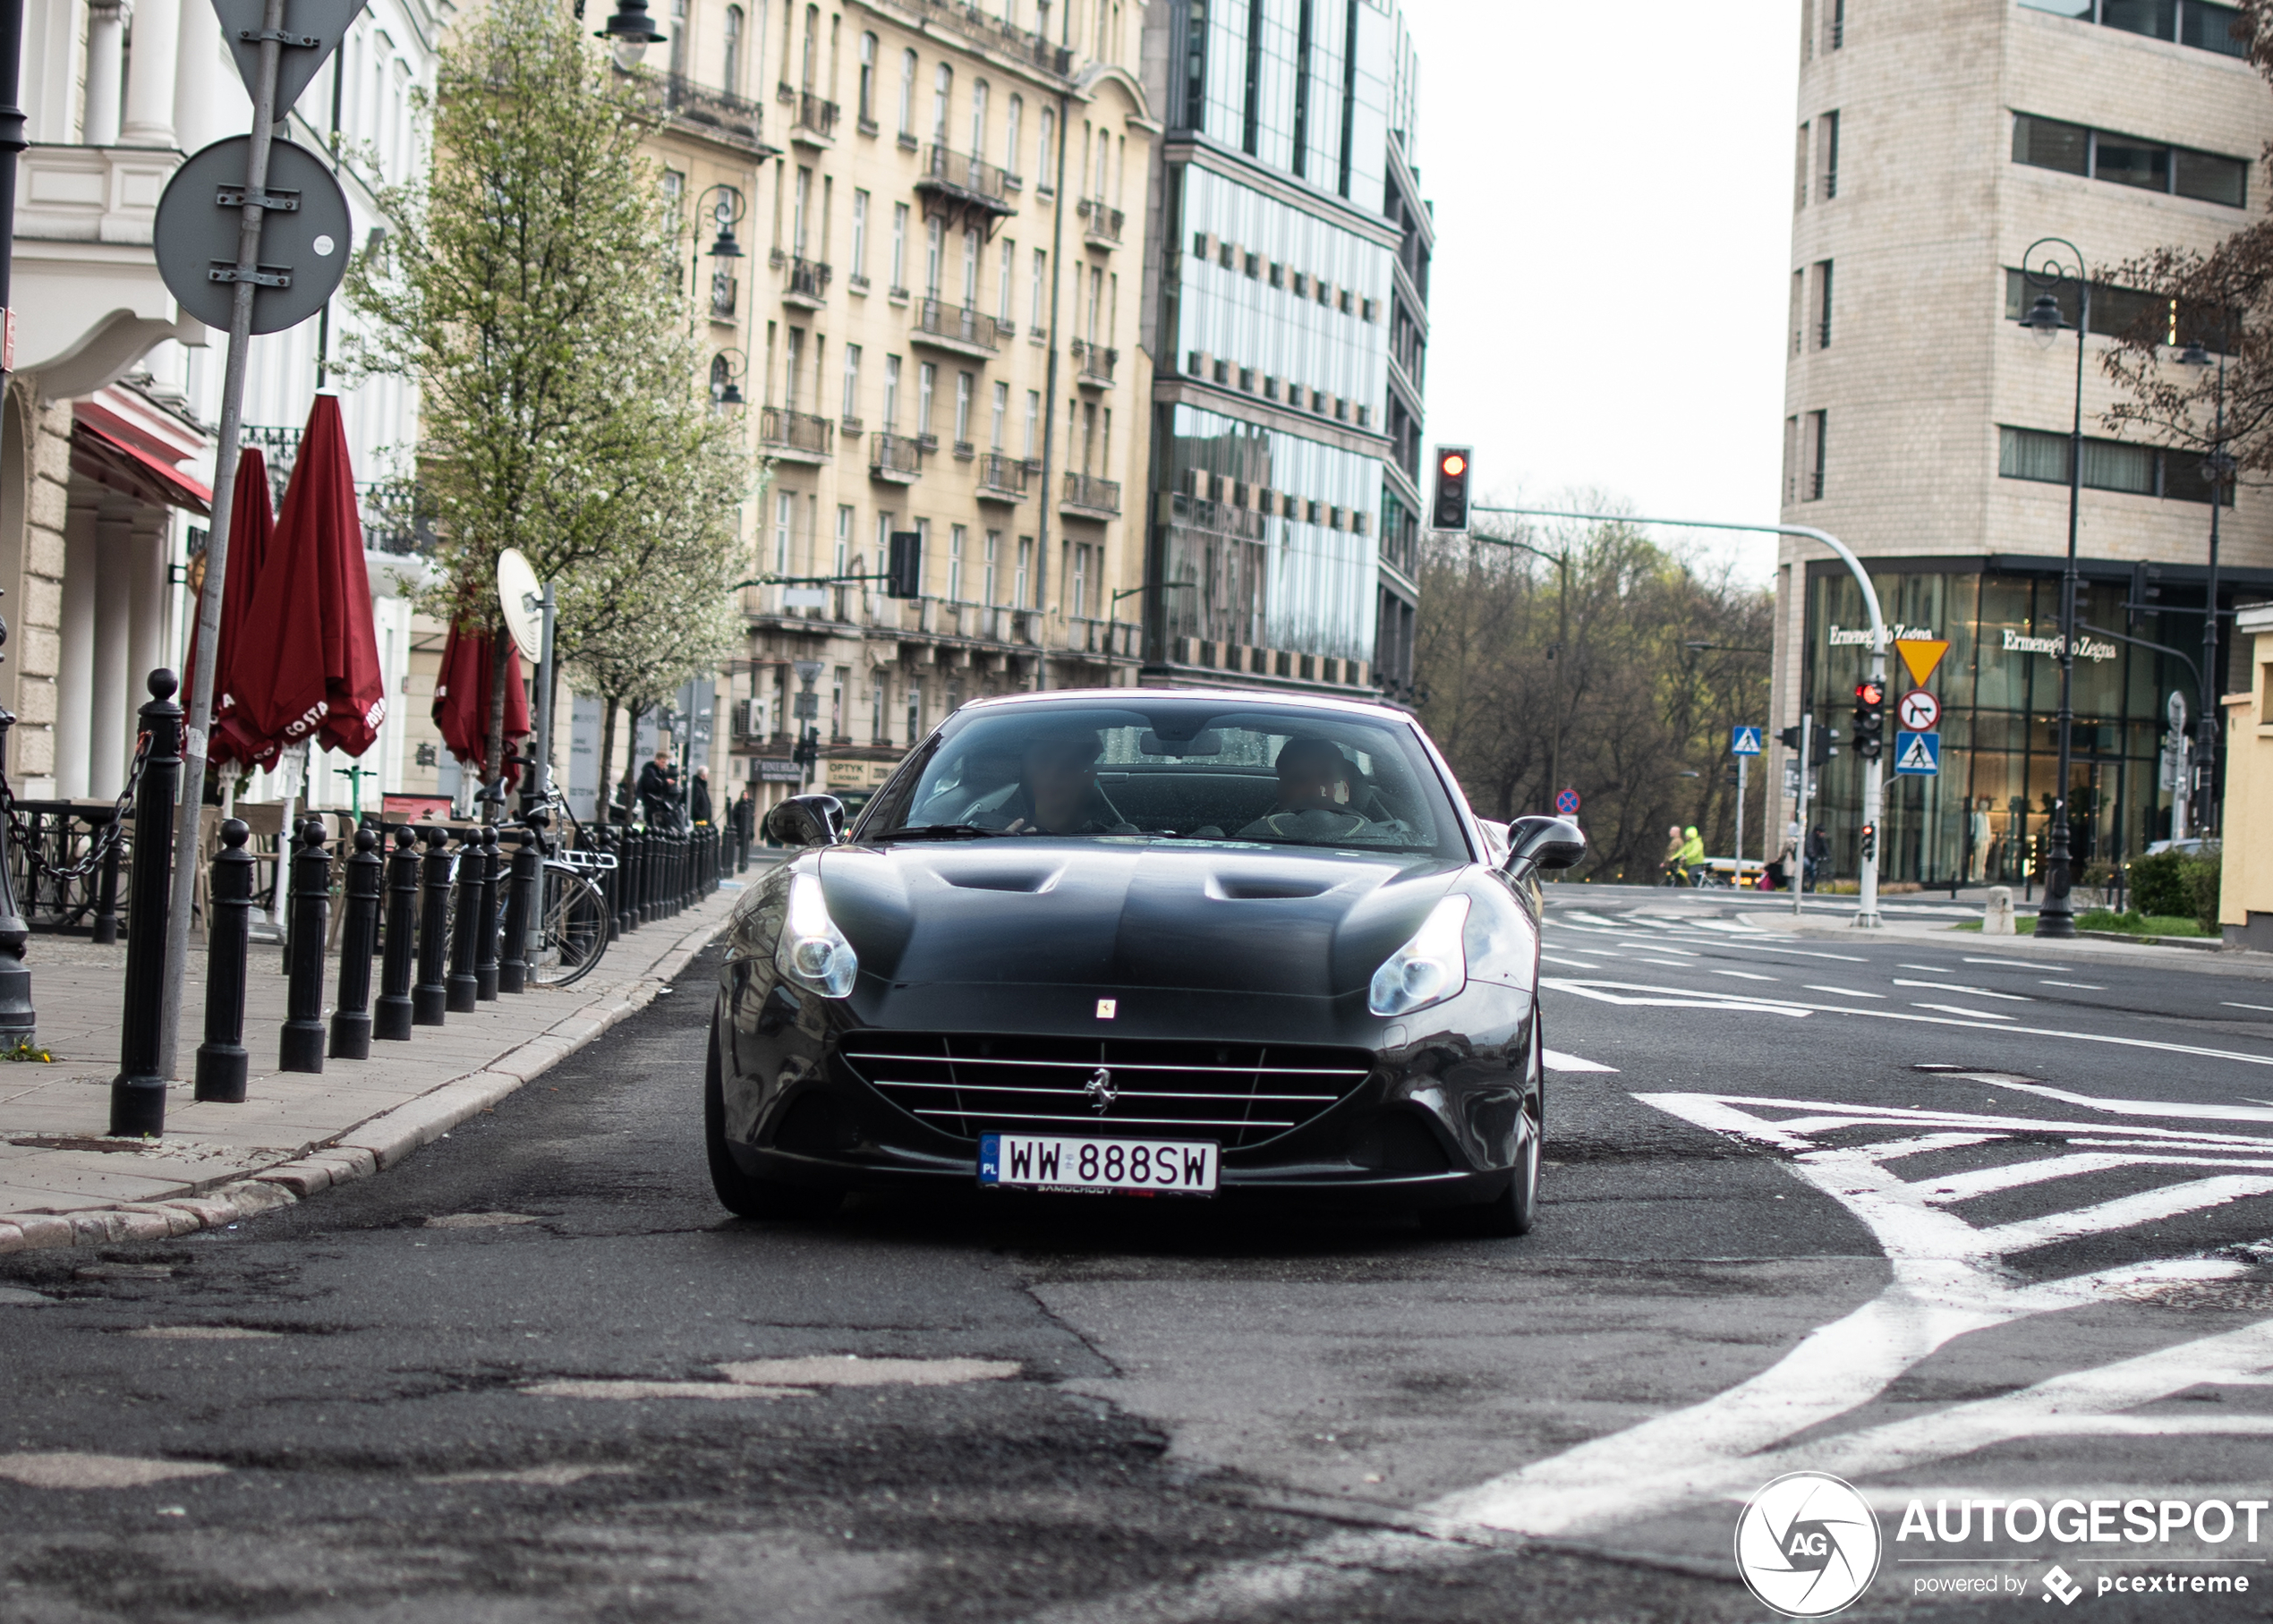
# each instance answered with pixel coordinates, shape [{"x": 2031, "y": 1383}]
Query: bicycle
[{"x": 569, "y": 933}]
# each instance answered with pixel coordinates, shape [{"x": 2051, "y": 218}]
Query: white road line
[
  {"x": 1555, "y": 1060},
  {"x": 1982, "y": 1020},
  {"x": 1928, "y": 969},
  {"x": 2013, "y": 964},
  {"x": 2079, "y": 986},
  {"x": 1845, "y": 992},
  {"x": 1554, "y": 959},
  {"x": 2131, "y": 1108},
  {"x": 1967, "y": 1187},
  {"x": 1978, "y": 1015},
  {"x": 2229, "y": 1004},
  {"x": 1746, "y": 976},
  {"x": 2010, "y": 997},
  {"x": 1664, "y": 964},
  {"x": 1678, "y": 999},
  {"x": 2127, "y": 1212}
]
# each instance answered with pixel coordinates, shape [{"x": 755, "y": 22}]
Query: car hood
[{"x": 1128, "y": 913}]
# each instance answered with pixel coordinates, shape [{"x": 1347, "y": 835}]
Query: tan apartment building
[
  {"x": 1926, "y": 426},
  {"x": 939, "y": 344}
]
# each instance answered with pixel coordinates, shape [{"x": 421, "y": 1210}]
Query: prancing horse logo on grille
[{"x": 1101, "y": 1090}]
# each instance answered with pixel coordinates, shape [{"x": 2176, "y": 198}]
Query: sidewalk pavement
[
  {"x": 2207, "y": 958},
  {"x": 63, "y": 1182}
]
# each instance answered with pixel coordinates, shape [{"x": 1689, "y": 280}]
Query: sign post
[
  {"x": 1744, "y": 744},
  {"x": 263, "y": 294}
]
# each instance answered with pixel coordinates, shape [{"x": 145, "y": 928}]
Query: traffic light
[
  {"x": 808, "y": 748},
  {"x": 1871, "y": 719},
  {"x": 1789, "y": 739},
  {"x": 2145, "y": 588},
  {"x": 905, "y": 570},
  {"x": 1452, "y": 470},
  {"x": 1869, "y": 841},
  {"x": 1824, "y": 745}
]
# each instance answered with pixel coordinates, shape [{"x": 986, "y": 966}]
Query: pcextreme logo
[{"x": 1807, "y": 1545}]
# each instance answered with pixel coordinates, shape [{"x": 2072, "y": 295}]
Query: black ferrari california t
[{"x": 1142, "y": 942}]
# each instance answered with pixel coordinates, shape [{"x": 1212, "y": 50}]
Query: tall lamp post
[
  {"x": 2218, "y": 468},
  {"x": 1561, "y": 561},
  {"x": 2055, "y": 919}
]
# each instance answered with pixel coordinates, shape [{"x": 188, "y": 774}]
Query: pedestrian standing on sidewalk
[
  {"x": 659, "y": 790},
  {"x": 698, "y": 797}
]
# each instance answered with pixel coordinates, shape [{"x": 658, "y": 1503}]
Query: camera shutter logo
[{"x": 1808, "y": 1544}]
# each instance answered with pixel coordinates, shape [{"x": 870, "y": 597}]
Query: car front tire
[
  {"x": 742, "y": 1193},
  {"x": 1515, "y": 1209}
]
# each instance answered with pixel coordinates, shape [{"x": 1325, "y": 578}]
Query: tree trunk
[
  {"x": 607, "y": 757},
  {"x": 501, "y": 649}
]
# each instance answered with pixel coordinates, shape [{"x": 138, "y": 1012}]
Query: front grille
[{"x": 1238, "y": 1094}]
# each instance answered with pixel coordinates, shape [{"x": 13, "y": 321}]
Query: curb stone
[{"x": 368, "y": 1148}]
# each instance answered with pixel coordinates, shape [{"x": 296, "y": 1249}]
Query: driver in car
[
  {"x": 1317, "y": 786},
  {"x": 1057, "y": 792}
]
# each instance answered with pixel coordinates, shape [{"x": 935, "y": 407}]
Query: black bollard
[
  {"x": 391, "y": 1014},
  {"x": 485, "y": 947},
  {"x": 300, "y": 1046},
  {"x": 138, "y": 1094},
  {"x": 430, "y": 997},
  {"x": 107, "y": 888},
  {"x": 221, "y": 1059},
  {"x": 630, "y": 859},
  {"x": 520, "y": 909},
  {"x": 611, "y": 881},
  {"x": 351, "y": 1021},
  {"x": 465, "y": 930}
]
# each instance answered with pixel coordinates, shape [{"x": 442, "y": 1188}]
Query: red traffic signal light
[
  {"x": 1454, "y": 464},
  {"x": 1871, "y": 691},
  {"x": 1449, "y": 509}
]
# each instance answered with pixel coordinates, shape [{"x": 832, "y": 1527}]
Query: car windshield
[{"x": 1183, "y": 769}]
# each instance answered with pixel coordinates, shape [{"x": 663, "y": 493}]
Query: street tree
[{"x": 530, "y": 288}]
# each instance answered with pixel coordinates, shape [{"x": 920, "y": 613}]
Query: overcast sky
[{"x": 1613, "y": 216}]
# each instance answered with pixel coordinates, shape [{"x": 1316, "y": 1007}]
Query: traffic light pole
[
  {"x": 1873, "y": 780},
  {"x": 1799, "y": 852}
]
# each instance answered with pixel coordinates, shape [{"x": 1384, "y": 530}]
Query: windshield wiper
[{"x": 943, "y": 831}]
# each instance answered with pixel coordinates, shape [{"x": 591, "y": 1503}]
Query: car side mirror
[
  {"x": 1543, "y": 843},
  {"x": 1496, "y": 841},
  {"x": 807, "y": 820}
]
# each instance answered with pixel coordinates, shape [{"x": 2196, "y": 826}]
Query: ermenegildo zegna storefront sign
[{"x": 2014, "y": 642}]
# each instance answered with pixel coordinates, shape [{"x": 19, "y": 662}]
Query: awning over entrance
[{"x": 113, "y": 463}]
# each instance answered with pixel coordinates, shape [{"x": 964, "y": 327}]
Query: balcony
[
  {"x": 895, "y": 458},
  {"x": 816, "y": 120},
  {"x": 1011, "y": 40},
  {"x": 723, "y": 288},
  {"x": 793, "y": 436},
  {"x": 1001, "y": 478},
  {"x": 1089, "y": 497},
  {"x": 1096, "y": 363},
  {"x": 806, "y": 285},
  {"x": 966, "y": 191},
  {"x": 699, "y": 110},
  {"x": 1100, "y": 226},
  {"x": 955, "y": 327}
]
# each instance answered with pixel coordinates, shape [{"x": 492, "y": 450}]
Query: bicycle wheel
[{"x": 571, "y": 930}]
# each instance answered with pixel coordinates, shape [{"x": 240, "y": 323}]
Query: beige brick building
[{"x": 1937, "y": 140}]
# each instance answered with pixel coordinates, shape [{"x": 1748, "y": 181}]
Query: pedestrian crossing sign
[
  {"x": 1744, "y": 741},
  {"x": 1920, "y": 755}
]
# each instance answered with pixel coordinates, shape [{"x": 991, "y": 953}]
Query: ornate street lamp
[
  {"x": 2057, "y": 919},
  {"x": 630, "y": 31}
]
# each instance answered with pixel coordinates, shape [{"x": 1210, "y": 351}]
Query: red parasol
[
  {"x": 251, "y": 527},
  {"x": 462, "y": 700},
  {"x": 314, "y": 671}
]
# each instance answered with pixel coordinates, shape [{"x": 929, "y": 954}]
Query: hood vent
[
  {"x": 1264, "y": 888},
  {"x": 1031, "y": 881}
]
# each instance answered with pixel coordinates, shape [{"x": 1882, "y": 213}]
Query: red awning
[{"x": 134, "y": 473}]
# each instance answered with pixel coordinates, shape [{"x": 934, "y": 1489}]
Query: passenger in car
[
  {"x": 1317, "y": 786},
  {"x": 1057, "y": 792}
]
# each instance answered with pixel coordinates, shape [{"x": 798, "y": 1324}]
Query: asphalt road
[{"x": 1954, "y": 1220}]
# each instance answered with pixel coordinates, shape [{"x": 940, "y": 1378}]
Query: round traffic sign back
[
  {"x": 196, "y": 233},
  {"x": 1566, "y": 803},
  {"x": 1920, "y": 711}
]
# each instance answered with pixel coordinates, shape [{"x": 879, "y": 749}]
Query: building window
[
  {"x": 679, "y": 39},
  {"x": 1080, "y": 581},
  {"x": 2116, "y": 311},
  {"x": 955, "y": 564},
  {"x": 1838, "y": 24},
  {"x": 899, "y": 250},
  {"x": 942, "y": 90},
  {"x": 978, "y": 118},
  {"x": 785, "y": 514},
  {"x": 1001, "y": 415},
  {"x": 852, "y": 383},
  {"x": 1799, "y": 311},
  {"x": 1033, "y": 423},
  {"x": 844, "y": 540},
  {"x": 867, "y": 105},
  {"x": 860, "y": 236},
  {"x": 1819, "y": 315},
  {"x": 2130, "y": 160},
  {"x": 1020, "y": 583},
  {"x": 993, "y": 551},
  {"x": 1814, "y": 429},
  {"x": 2144, "y": 471},
  {"x": 971, "y": 237},
  {"x": 1004, "y": 310},
  {"x": 915, "y": 709},
  {"x": 836, "y": 687},
  {"x": 963, "y": 381},
  {"x": 1046, "y": 169},
  {"x": 927, "y": 374},
  {"x": 1799, "y": 172},
  {"x": 2196, "y": 22},
  {"x": 730, "y": 68},
  {"x": 876, "y": 711},
  {"x": 1035, "y": 305},
  {"x": 908, "y": 96},
  {"x": 934, "y": 254},
  {"x": 891, "y": 394},
  {"x": 1826, "y": 143},
  {"x": 1011, "y": 116}
]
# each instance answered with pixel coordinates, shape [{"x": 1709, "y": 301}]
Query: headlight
[
  {"x": 812, "y": 952},
  {"x": 1426, "y": 970}
]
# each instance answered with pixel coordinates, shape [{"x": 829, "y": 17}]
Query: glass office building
[
  {"x": 1982, "y": 818},
  {"x": 1271, "y": 291}
]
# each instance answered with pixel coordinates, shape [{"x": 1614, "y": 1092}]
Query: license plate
[{"x": 1097, "y": 1167}]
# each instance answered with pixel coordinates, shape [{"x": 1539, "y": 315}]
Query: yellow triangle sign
[{"x": 1921, "y": 655}]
